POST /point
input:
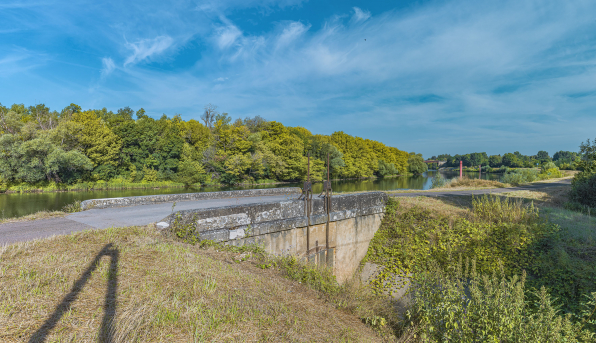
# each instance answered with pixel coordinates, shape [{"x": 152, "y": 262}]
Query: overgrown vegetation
[
  {"x": 489, "y": 298},
  {"x": 521, "y": 176},
  {"x": 494, "y": 231},
  {"x": 72, "y": 208},
  {"x": 461, "y": 305},
  {"x": 583, "y": 191}
]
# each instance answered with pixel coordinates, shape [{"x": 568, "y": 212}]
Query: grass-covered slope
[{"x": 135, "y": 285}]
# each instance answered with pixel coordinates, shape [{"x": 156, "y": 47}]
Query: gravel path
[{"x": 147, "y": 214}]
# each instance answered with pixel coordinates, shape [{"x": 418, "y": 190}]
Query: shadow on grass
[{"x": 109, "y": 309}]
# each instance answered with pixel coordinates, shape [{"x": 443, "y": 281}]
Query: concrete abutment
[{"x": 283, "y": 227}]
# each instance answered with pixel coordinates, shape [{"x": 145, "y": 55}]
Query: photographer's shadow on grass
[{"x": 107, "y": 327}]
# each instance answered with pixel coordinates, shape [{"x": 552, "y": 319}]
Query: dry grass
[
  {"x": 549, "y": 197},
  {"x": 466, "y": 182},
  {"x": 34, "y": 216},
  {"x": 456, "y": 207},
  {"x": 135, "y": 285}
]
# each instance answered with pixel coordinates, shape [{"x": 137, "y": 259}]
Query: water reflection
[{"x": 16, "y": 205}]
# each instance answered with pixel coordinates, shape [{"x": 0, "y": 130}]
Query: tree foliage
[{"x": 76, "y": 145}]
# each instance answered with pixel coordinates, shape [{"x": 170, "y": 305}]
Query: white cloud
[
  {"x": 291, "y": 32},
  {"x": 226, "y": 36},
  {"x": 220, "y": 79},
  {"x": 146, "y": 48},
  {"x": 108, "y": 66},
  {"x": 360, "y": 15}
]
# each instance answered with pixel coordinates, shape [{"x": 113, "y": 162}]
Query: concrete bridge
[{"x": 334, "y": 233}]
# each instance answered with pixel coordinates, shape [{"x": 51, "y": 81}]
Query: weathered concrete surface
[
  {"x": 164, "y": 198},
  {"x": 283, "y": 227},
  {"x": 238, "y": 221}
]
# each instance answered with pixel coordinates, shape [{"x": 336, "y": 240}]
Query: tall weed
[
  {"x": 463, "y": 305},
  {"x": 494, "y": 209}
]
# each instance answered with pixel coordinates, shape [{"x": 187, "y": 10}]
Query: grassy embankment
[
  {"x": 525, "y": 233},
  {"x": 136, "y": 284}
]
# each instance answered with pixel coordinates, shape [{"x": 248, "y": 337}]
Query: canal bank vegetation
[
  {"x": 136, "y": 284},
  {"x": 518, "y": 267},
  {"x": 564, "y": 160},
  {"x": 77, "y": 149}
]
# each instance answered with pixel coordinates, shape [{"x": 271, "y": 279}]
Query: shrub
[
  {"x": 72, "y": 208},
  {"x": 464, "y": 306},
  {"x": 520, "y": 176},
  {"x": 550, "y": 173},
  {"x": 438, "y": 181},
  {"x": 548, "y": 165},
  {"x": 583, "y": 189},
  {"x": 408, "y": 239}
]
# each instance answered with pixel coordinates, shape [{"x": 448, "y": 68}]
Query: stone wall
[{"x": 156, "y": 199}]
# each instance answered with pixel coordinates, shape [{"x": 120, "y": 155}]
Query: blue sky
[{"x": 427, "y": 76}]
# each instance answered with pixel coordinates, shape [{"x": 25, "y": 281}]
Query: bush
[
  {"x": 438, "y": 181},
  {"x": 520, "y": 176},
  {"x": 504, "y": 230},
  {"x": 583, "y": 189},
  {"x": 72, "y": 208},
  {"x": 463, "y": 306},
  {"x": 548, "y": 165},
  {"x": 550, "y": 173}
]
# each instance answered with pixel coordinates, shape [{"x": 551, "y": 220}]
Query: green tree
[
  {"x": 416, "y": 164},
  {"x": 495, "y": 161},
  {"x": 100, "y": 144}
]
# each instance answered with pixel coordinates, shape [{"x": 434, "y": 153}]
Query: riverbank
[
  {"x": 137, "y": 284},
  {"x": 118, "y": 184},
  {"x": 52, "y": 187}
]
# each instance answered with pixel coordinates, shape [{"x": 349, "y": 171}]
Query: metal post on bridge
[
  {"x": 328, "y": 192},
  {"x": 307, "y": 194}
]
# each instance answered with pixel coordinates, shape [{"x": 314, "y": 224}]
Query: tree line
[
  {"x": 75, "y": 145},
  {"x": 563, "y": 159}
]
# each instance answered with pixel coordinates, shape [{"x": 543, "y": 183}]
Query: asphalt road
[{"x": 147, "y": 214}]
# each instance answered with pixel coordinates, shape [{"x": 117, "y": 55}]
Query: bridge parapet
[{"x": 339, "y": 240}]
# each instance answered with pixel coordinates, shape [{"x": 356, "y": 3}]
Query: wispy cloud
[
  {"x": 226, "y": 36},
  {"x": 292, "y": 31},
  {"x": 108, "y": 66},
  {"x": 146, "y": 48},
  {"x": 360, "y": 15}
]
